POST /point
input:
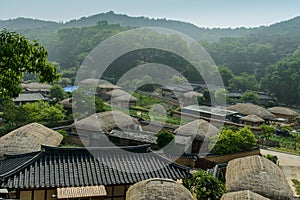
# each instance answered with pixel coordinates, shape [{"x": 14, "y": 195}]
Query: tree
[
  {"x": 204, "y": 185},
  {"x": 57, "y": 92},
  {"x": 267, "y": 131},
  {"x": 221, "y": 96},
  {"x": 18, "y": 56},
  {"x": 250, "y": 97},
  {"x": 244, "y": 82},
  {"x": 231, "y": 141},
  {"x": 164, "y": 138}
]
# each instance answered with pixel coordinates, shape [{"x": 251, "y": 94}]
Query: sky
[{"x": 203, "y": 13}]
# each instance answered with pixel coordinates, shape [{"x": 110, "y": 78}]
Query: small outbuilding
[
  {"x": 252, "y": 120},
  {"x": 158, "y": 189}
]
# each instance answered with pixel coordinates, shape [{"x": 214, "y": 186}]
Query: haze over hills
[{"x": 36, "y": 27}]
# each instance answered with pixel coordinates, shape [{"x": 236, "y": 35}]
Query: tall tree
[{"x": 18, "y": 56}]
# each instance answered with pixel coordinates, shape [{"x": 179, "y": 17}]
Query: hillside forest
[{"x": 256, "y": 59}]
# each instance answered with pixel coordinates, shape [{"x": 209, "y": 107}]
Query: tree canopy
[{"x": 18, "y": 56}]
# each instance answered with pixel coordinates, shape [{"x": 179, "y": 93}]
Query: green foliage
[
  {"x": 57, "y": 92},
  {"x": 63, "y": 133},
  {"x": 250, "y": 97},
  {"x": 271, "y": 158},
  {"x": 296, "y": 185},
  {"x": 244, "y": 82},
  {"x": 267, "y": 131},
  {"x": 18, "y": 56},
  {"x": 164, "y": 138},
  {"x": 283, "y": 77},
  {"x": 204, "y": 185},
  {"x": 230, "y": 141}
]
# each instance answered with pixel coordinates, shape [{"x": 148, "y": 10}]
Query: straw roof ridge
[
  {"x": 283, "y": 111},
  {"x": 106, "y": 121},
  {"x": 257, "y": 174},
  {"x": 251, "y": 109},
  {"x": 243, "y": 195},
  {"x": 252, "y": 118},
  {"x": 197, "y": 128},
  {"x": 159, "y": 189},
  {"x": 28, "y": 138}
]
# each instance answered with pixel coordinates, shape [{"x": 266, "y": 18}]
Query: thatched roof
[
  {"x": 251, "y": 109},
  {"x": 67, "y": 103},
  {"x": 90, "y": 81},
  {"x": 198, "y": 129},
  {"x": 158, "y": 189},
  {"x": 108, "y": 86},
  {"x": 259, "y": 175},
  {"x": 36, "y": 86},
  {"x": 192, "y": 94},
  {"x": 243, "y": 195},
  {"x": 252, "y": 118},
  {"x": 283, "y": 111},
  {"x": 106, "y": 121},
  {"x": 28, "y": 138},
  {"x": 120, "y": 95}
]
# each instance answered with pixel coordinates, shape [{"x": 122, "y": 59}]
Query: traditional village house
[
  {"x": 243, "y": 195},
  {"x": 28, "y": 138},
  {"x": 120, "y": 98},
  {"x": 245, "y": 109},
  {"x": 83, "y": 173},
  {"x": 252, "y": 120},
  {"x": 285, "y": 113},
  {"x": 158, "y": 189},
  {"x": 198, "y": 130},
  {"x": 259, "y": 175},
  {"x": 95, "y": 127},
  {"x": 37, "y": 87},
  {"x": 29, "y": 97}
]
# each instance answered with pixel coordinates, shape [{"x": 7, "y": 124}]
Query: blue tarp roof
[{"x": 70, "y": 88}]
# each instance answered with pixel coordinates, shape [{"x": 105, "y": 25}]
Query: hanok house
[
  {"x": 37, "y": 87},
  {"x": 29, "y": 97},
  {"x": 252, "y": 120},
  {"x": 283, "y": 113},
  {"x": 199, "y": 130},
  {"x": 28, "y": 138},
  {"x": 83, "y": 173},
  {"x": 121, "y": 98},
  {"x": 208, "y": 112},
  {"x": 259, "y": 175}
]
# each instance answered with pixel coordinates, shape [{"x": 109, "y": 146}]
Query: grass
[
  {"x": 285, "y": 150},
  {"x": 296, "y": 185}
]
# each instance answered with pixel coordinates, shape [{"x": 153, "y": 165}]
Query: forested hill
[{"x": 34, "y": 26}]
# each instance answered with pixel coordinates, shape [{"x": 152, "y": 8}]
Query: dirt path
[{"x": 290, "y": 164}]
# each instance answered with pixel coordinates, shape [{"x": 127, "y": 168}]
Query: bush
[{"x": 204, "y": 185}]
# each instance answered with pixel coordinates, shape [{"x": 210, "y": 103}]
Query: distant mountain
[
  {"x": 25, "y": 25},
  {"x": 34, "y": 27}
]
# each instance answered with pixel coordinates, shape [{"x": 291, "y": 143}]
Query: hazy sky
[{"x": 204, "y": 13}]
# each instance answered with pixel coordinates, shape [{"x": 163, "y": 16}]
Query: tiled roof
[
  {"x": 30, "y": 97},
  {"x": 74, "y": 167}
]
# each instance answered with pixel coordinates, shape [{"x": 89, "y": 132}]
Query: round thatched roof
[
  {"x": 251, "y": 109},
  {"x": 106, "y": 121},
  {"x": 283, "y": 111},
  {"x": 252, "y": 118},
  {"x": 28, "y": 138},
  {"x": 158, "y": 189},
  {"x": 259, "y": 175},
  {"x": 243, "y": 195},
  {"x": 192, "y": 94},
  {"x": 198, "y": 129}
]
